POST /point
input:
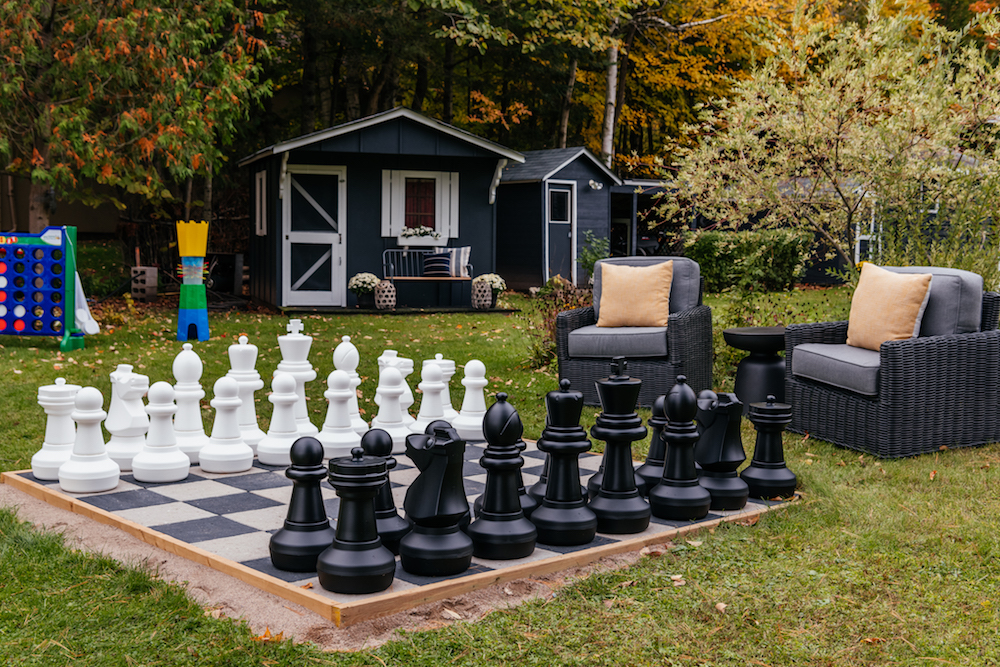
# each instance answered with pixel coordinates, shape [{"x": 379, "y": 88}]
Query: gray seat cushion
[
  {"x": 955, "y": 304},
  {"x": 605, "y": 342},
  {"x": 851, "y": 368},
  {"x": 685, "y": 287}
]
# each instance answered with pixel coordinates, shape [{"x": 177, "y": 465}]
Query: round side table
[{"x": 763, "y": 372}]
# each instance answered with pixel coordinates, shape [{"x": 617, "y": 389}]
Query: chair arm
[
  {"x": 570, "y": 320},
  {"x": 688, "y": 333},
  {"x": 814, "y": 332},
  {"x": 940, "y": 367},
  {"x": 991, "y": 310}
]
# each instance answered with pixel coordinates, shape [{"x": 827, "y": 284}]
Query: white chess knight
[
  {"x": 161, "y": 460},
  {"x": 390, "y": 415},
  {"x": 346, "y": 358},
  {"x": 89, "y": 469},
  {"x": 469, "y": 422},
  {"x": 226, "y": 451},
  {"x": 242, "y": 363},
  {"x": 274, "y": 449},
  {"x": 188, "y": 426},
  {"x": 127, "y": 420},
  {"x": 58, "y": 401},
  {"x": 294, "y": 361},
  {"x": 432, "y": 404},
  {"x": 405, "y": 366},
  {"x": 447, "y": 371},
  {"x": 337, "y": 435}
]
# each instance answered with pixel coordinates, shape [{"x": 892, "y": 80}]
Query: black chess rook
[
  {"x": 306, "y": 532},
  {"x": 767, "y": 475}
]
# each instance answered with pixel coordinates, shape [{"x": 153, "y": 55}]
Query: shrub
[
  {"x": 765, "y": 260},
  {"x": 593, "y": 250},
  {"x": 557, "y": 295}
]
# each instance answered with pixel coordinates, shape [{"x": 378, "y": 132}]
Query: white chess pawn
[
  {"x": 346, "y": 358},
  {"x": 294, "y": 361},
  {"x": 226, "y": 451},
  {"x": 390, "y": 416},
  {"x": 161, "y": 460},
  {"x": 469, "y": 422},
  {"x": 57, "y": 400},
  {"x": 89, "y": 469},
  {"x": 243, "y": 362},
  {"x": 337, "y": 436},
  {"x": 431, "y": 405},
  {"x": 188, "y": 426},
  {"x": 275, "y": 448},
  {"x": 405, "y": 366},
  {"x": 447, "y": 371},
  {"x": 127, "y": 420}
]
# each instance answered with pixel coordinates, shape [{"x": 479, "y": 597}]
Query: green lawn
[{"x": 882, "y": 562}]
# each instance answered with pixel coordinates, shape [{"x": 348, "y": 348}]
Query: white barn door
[{"x": 314, "y": 236}]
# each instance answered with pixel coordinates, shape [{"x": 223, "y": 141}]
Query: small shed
[
  {"x": 544, "y": 207},
  {"x": 327, "y": 205}
]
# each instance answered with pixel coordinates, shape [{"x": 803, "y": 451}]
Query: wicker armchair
[
  {"x": 932, "y": 391},
  {"x": 688, "y": 339}
]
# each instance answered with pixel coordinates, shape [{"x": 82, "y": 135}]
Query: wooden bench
[{"x": 407, "y": 265}]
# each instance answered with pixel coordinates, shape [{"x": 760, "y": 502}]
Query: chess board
[{"x": 226, "y": 521}]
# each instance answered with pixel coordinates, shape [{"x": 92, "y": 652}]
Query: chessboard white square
[
  {"x": 157, "y": 515},
  {"x": 195, "y": 490},
  {"x": 267, "y": 518},
  {"x": 248, "y": 546}
]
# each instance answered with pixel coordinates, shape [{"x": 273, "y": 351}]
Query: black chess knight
[{"x": 719, "y": 451}]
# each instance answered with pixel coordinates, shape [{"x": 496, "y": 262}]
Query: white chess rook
[
  {"x": 337, "y": 435},
  {"x": 390, "y": 417},
  {"x": 188, "y": 426},
  {"x": 243, "y": 362},
  {"x": 57, "y": 400},
  {"x": 161, "y": 460},
  {"x": 226, "y": 451},
  {"x": 127, "y": 420},
  {"x": 346, "y": 358},
  {"x": 433, "y": 387},
  {"x": 276, "y": 446},
  {"x": 294, "y": 360},
  {"x": 469, "y": 422},
  {"x": 89, "y": 469},
  {"x": 447, "y": 371}
]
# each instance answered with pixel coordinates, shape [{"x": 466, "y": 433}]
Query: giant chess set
[{"x": 313, "y": 514}]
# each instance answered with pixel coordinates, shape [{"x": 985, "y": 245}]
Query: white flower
[
  {"x": 496, "y": 283},
  {"x": 362, "y": 283},
  {"x": 423, "y": 230}
]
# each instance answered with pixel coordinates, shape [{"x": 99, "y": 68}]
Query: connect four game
[{"x": 38, "y": 286}]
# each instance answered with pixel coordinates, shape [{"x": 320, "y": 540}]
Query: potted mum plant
[
  {"x": 491, "y": 281},
  {"x": 363, "y": 285}
]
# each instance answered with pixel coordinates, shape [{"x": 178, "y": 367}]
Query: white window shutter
[
  {"x": 260, "y": 214},
  {"x": 452, "y": 205},
  {"x": 387, "y": 202}
]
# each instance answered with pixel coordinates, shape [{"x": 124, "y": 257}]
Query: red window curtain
[{"x": 420, "y": 202}]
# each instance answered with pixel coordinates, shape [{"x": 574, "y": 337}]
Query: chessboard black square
[
  {"x": 262, "y": 466},
  {"x": 192, "y": 477},
  {"x": 534, "y": 454},
  {"x": 598, "y": 541},
  {"x": 680, "y": 524},
  {"x": 267, "y": 567},
  {"x": 200, "y": 530},
  {"x": 255, "y": 482},
  {"x": 231, "y": 504},
  {"x": 421, "y": 580},
  {"x": 127, "y": 500}
]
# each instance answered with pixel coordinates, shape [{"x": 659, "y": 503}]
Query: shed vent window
[{"x": 420, "y": 196}]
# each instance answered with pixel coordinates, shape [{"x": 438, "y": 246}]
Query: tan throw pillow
[
  {"x": 886, "y": 306},
  {"x": 635, "y": 296}
]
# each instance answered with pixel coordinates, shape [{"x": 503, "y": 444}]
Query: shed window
[
  {"x": 420, "y": 199},
  {"x": 420, "y": 195}
]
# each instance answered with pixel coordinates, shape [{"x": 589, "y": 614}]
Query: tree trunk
[
  {"x": 623, "y": 72},
  {"x": 610, "y": 98},
  {"x": 420, "y": 87},
  {"x": 447, "y": 92},
  {"x": 38, "y": 212},
  {"x": 206, "y": 209},
  {"x": 567, "y": 102},
  {"x": 353, "y": 89},
  {"x": 307, "y": 110}
]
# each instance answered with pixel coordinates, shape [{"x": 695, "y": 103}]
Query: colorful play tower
[{"x": 192, "y": 316}]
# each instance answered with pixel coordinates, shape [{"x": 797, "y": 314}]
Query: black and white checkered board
[{"x": 234, "y": 515}]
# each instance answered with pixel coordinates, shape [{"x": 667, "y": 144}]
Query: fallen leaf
[
  {"x": 654, "y": 550},
  {"x": 453, "y": 615},
  {"x": 748, "y": 521},
  {"x": 695, "y": 543},
  {"x": 307, "y": 585},
  {"x": 873, "y": 640},
  {"x": 679, "y": 582},
  {"x": 609, "y": 603},
  {"x": 721, "y": 607},
  {"x": 933, "y": 474},
  {"x": 805, "y": 437},
  {"x": 506, "y": 589},
  {"x": 268, "y": 637},
  {"x": 625, "y": 584},
  {"x": 810, "y": 454}
]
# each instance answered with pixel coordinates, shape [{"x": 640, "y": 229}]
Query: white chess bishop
[
  {"x": 58, "y": 401},
  {"x": 226, "y": 451},
  {"x": 346, "y": 358},
  {"x": 127, "y": 420},
  {"x": 188, "y": 426},
  {"x": 161, "y": 460},
  {"x": 469, "y": 422},
  {"x": 447, "y": 372},
  {"x": 295, "y": 361},
  {"x": 390, "y": 416},
  {"x": 243, "y": 363},
  {"x": 337, "y": 435},
  {"x": 275, "y": 448},
  {"x": 89, "y": 469}
]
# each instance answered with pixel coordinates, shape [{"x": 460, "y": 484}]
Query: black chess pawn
[
  {"x": 501, "y": 531},
  {"x": 391, "y": 526},
  {"x": 306, "y": 532},
  {"x": 719, "y": 451},
  {"x": 537, "y": 490},
  {"x": 563, "y": 518},
  {"x": 356, "y": 562},
  {"x": 436, "y": 504},
  {"x": 767, "y": 476},
  {"x": 618, "y": 506},
  {"x": 679, "y": 496},
  {"x": 652, "y": 470}
]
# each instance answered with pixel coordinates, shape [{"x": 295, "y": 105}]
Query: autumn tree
[
  {"x": 132, "y": 94},
  {"x": 891, "y": 118}
]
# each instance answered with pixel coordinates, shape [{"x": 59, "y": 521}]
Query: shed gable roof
[
  {"x": 397, "y": 131},
  {"x": 544, "y": 164}
]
